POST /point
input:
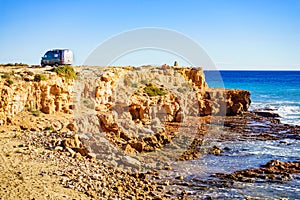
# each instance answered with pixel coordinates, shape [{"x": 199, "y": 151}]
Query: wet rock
[
  {"x": 272, "y": 170},
  {"x": 267, "y": 114}
]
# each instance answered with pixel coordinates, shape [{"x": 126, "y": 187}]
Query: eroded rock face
[
  {"x": 195, "y": 77},
  {"x": 49, "y": 97},
  {"x": 130, "y": 105},
  {"x": 225, "y": 102}
]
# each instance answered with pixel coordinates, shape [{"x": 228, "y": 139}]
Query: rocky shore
[{"x": 114, "y": 133}]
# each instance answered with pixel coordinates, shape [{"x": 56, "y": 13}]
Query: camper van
[{"x": 57, "y": 57}]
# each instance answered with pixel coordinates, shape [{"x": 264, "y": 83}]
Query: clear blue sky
[{"x": 237, "y": 34}]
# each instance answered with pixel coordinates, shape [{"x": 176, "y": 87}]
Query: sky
[{"x": 236, "y": 34}]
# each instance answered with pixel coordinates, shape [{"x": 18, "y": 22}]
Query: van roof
[{"x": 58, "y": 49}]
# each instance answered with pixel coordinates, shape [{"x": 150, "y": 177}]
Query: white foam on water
[
  {"x": 290, "y": 114},
  {"x": 288, "y": 111}
]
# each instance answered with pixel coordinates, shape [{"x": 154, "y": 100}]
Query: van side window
[{"x": 55, "y": 55}]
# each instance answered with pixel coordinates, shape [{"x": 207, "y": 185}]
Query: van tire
[{"x": 56, "y": 64}]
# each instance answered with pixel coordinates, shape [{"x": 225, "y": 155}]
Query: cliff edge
[{"x": 20, "y": 90}]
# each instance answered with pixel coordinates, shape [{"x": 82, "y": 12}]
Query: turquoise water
[{"x": 276, "y": 90}]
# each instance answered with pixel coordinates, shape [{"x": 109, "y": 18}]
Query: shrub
[
  {"x": 9, "y": 81},
  {"x": 5, "y": 76},
  {"x": 40, "y": 77},
  {"x": 9, "y": 64},
  {"x": 154, "y": 91},
  {"x": 49, "y": 128},
  {"x": 34, "y": 111},
  {"x": 185, "y": 85},
  {"x": 88, "y": 103},
  {"x": 181, "y": 90},
  {"x": 14, "y": 64},
  {"x": 67, "y": 71},
  {"x": 30, "y": 73},
  {"x": 134, "y": 85},
  {"x": 35, "y": 66}
]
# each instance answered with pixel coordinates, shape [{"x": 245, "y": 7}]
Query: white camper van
[{"x": 57, "y": 57}]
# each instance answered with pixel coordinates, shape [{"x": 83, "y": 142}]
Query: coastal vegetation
[
  {"x": 40, "y": 77},
  {"x": 66, "y": 71},
  {"x": 34, "y": 112},
  {"x": 14, "y": 64},
  {"x": 9, "y": 81},
  {"x": 152, "y": 91}
]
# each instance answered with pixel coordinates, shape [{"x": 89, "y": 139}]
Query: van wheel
[{"x": 56, "y": 64}]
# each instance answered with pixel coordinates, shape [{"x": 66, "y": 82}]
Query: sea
[{"x": 273, "y": 91}]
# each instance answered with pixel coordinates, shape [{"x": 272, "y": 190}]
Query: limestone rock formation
[
  {"x": 130, "y": 105},
  {"x": 225, "y": 102},
  {"x": 49, "y": 97}
]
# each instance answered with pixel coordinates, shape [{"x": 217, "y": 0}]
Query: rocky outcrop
[
  {"x": 195, "y": 77},
  {"x": 274, "y": 171},
  {"x": 131, "y": 105},
  {"x": 225, "y": 102},
  {"x": 133, "y": 109}
]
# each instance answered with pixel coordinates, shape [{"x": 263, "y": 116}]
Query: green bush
[
  {"x": 49, "y": 128},
  {"x": 154, "y": 91},
  {"x": 40, "y": 77},
  {"x": 67, "y": 71},
  {"x": 9, "y": 81},
  {"x": 34, "y": 111}
]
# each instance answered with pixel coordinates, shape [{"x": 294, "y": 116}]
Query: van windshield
[{"x": 49, "y": 55}]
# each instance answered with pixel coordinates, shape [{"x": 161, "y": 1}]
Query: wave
[{"x": 288, "y": 111}]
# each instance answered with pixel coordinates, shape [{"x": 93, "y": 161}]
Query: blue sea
[
  {"x": 270, "y": 90},
  {"x": 278, "y": 91}
]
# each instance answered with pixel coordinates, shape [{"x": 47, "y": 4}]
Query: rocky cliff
[
  {"x": 131, "y": 105},
  {"x": 50, "y": 96},
  {"x": 56, "y": 94}
]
